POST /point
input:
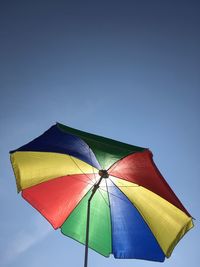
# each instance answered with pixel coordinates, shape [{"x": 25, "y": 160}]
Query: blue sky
[{"x": 128, "y": 70}]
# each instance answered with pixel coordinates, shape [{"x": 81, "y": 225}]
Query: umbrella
[{"x": 103, "y": 193}]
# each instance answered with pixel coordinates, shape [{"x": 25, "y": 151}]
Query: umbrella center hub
[{"x": 103, "y": 173}]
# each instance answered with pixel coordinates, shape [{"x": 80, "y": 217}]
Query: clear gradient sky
[{"x": 129, "y": 70}]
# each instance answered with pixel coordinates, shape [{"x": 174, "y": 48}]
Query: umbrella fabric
[{"x": 134, "y": 213}]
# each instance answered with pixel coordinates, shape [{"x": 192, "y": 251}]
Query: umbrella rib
[
  {"x": 103, "y": 197},
  {"x": 112, "y": 194},
  {"x": 92, "y": 165},
  {"x": 136, "y": 185},
  {"x": 80, "y": 169},
  {"x": 89, "y": 183}
]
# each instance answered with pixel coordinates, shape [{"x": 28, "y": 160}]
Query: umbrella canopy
[{"x": 133, "y": 213}]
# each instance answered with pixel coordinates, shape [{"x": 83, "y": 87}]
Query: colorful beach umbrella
[{"x": 103, "y": 193}]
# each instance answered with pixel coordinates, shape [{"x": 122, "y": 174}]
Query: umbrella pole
[{"x": 96, "y": 186}]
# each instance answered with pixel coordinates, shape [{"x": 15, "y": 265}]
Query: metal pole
[{"x": 96, "y": 186}]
